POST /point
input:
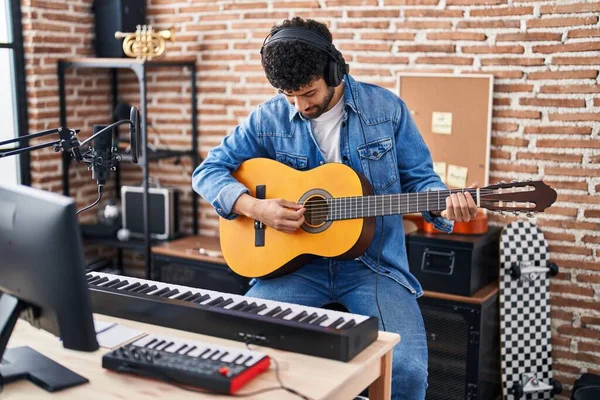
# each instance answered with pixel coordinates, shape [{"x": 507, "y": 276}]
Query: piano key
[
  {"x": 336, "y": 322},
  {"x": 120, "y": 284},
  {"x": 156, "y": 345},
  {"x": 166, "y": 346},
  {"x": 139, "y": 289},
  {"x": 216, "y": 301},
  {"x": 309, "y": 318},
  {"x": 348, "y": 324},
  {"x": 100, "y": 281},
  {"x": 181, "y": 348},
  {"x": 92, "y": 279},
  {"x": 131, "y": 286},
  {"x": 206, "y": 353},
  {"x": 224, "y": 303},
  {"x": 110, "y": 283},
  {"x": 159, "y": 291},
  {"x": 319, "y": 320},
  {"x": 141, "y": 342},
  {"x": 214, "y": 355},
  {"x": 197, "y": 351},
  {"x": 249, "y": 307},
  {"x": 170, "y": 293},
  {"x": 239, "y": 305},
  {"x": 273, "y": 312},
  {"x": 258, "y": 309},
  {"x": 284, "y": 313},
  {"x": 299, "y": 316},
  {"x": 184, "y": 296},
  {"x": 230, "y": 356},
  {"x": 148, "y": 289},
  {"x": 151, "y": 342},
  {"x": 188, "y": 350},
  {"x": 202, "y": 299}
]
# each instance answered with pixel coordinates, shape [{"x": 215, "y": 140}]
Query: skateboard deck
[{"x": 525, "y": 328}]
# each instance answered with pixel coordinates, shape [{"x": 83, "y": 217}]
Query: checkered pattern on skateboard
[{"x": 524, "y": 309}]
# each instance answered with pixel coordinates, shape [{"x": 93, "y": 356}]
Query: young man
[{"x": 319, "y": 118}]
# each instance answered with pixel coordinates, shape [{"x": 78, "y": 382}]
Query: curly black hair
[{"x": 290, "y": 65}]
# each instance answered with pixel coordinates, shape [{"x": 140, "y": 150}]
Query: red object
[
  {"x": 224, "y": 371},
  {"x": 243, "y": 378}
]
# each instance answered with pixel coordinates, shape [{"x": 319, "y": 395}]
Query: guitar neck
[{"x": 390, "y": 204}]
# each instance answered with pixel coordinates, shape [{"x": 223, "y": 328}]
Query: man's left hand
[{"x": 461, "y": 207}]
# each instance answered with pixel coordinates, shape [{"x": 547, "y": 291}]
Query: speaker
[
  {"x": 115, "y": 15},
  {"x": 463, "y": 342}
]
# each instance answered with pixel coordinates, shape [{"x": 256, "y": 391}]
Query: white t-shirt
[{"x": 326, "y": 129}]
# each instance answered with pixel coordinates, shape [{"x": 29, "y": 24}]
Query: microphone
[{"x": 102, "y": 157}]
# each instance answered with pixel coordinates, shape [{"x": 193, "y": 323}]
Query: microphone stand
[{"x": 68, "y": 142}]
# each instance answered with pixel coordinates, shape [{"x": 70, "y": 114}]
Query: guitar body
[{"x": 282, "y": 253}]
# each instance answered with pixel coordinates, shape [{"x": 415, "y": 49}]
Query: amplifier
[
  {"x": 454, "y": 264},
  {"x": 463, "y": 341},
  {"x": 163, "y": 204}
]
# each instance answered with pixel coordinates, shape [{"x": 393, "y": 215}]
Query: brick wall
[{"x": 544, "y": 56}]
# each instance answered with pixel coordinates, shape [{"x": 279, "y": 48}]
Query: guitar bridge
[{"x": 259, "y": 227}]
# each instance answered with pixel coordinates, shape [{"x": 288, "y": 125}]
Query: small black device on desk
[
  {"x": 451, "y": 263},
  {"x": 187, "y": 362},
  {"x": 164, "y": 211}
]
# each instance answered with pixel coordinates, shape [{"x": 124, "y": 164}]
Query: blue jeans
[{"x": 352, "y": 284}]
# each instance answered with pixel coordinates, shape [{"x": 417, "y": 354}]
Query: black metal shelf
[{"x": 139, "y": 67}]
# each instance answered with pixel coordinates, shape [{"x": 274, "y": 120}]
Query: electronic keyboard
[{"x": 309, "y": 330}]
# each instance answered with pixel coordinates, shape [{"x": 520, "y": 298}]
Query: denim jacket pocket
[
  {"x": 291, "y": 160},
  {"x": 377, "y": 160}
]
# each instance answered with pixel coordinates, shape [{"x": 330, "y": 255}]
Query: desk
[{"x": 317, "y": 378}]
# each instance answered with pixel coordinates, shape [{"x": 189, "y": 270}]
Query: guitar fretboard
[{"x": 377, "y": 205}]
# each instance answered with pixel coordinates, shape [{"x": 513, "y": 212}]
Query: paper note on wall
[
  {"x": 457, "y": 176},
  {"x": 441, "y": 123},
  {"x": 440, "y": 169}
]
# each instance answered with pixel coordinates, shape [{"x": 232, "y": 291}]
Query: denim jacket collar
[{"x": 350, "y": 93}]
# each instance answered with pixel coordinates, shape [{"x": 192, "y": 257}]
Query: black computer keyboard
[{"x": 186, "y": 362}]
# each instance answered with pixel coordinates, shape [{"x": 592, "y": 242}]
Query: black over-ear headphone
[{"x": 336, "y": 66}]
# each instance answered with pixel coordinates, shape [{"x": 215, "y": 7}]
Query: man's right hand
[{"x": 283, "y": 215}]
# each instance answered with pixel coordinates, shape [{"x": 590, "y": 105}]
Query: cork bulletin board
[{"x": 454, "y": 115}]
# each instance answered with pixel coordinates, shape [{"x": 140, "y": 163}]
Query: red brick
[
  {"x": 570, "y": 8},
  {"x": 387, "y": 36},
  {"x": 590, "y": 320},
  {"x": 574, "y": 117},
  {"x": 426, "y": 48},
  {"x": 570, "y": 89},
  {"x": 429, "y": 13},
  {"x": 445, "y": 60},
  {"x": 578, "y": 74},
  {"x": 517, "y": 114},
  {"x": 591, "y": 213},
  {"x": 589, "y": 278},
  {"x": 566, "y": 143},
  {"x": 530, "y": 169},
  {"x": 456, "y": 36},
  {"x": 575, "y": 130},
  {"x": 505, "y": 127},
  {"x": 517, "y": 142},
  {"x": 475, "y": 2},
  {"x": 377, "y": 13},
  {"x": 364, "y": 25},
  {"x": 490, "y": 24},
  {"x": 569, "y": 47},
  {"x": 564, "y": 224},
  {"x": 501, "y": 11},
  {"x": 583, "y": 33},
  {"x": 382, "y": 60},
  {"x": 550, "y": 157},
  {"x": 560, "y": 22},
  {"x": 529, "y": 37},
  {"x": 551, "y": 102},
  {"x": 424, "y": 25},
  {"x": 564, "y": 237},
  {"x": 513, "y": 88},
  {"x": 493, "y": 49},
  {"x": 520, "y": 61},
  {"x": 576, "y": 61},
  {"x": 568, "y": 288}
]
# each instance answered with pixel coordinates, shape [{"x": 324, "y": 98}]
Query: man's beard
[{"x": 317, "y": 111}]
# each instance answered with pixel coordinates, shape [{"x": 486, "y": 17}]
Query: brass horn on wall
[{"x": 145, "y": 43}]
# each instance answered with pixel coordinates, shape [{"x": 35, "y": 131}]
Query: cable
[
  {"x": 100, "y": 191},
  {"x": 381, "y": 224}
]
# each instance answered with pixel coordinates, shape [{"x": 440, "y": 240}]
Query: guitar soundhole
[{"x": 316, "y": 211}]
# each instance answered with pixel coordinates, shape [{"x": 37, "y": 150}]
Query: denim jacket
[{"x": 394, "y": 158}]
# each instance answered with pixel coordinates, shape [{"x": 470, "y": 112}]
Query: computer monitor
[{"x": 42, "y": 280}]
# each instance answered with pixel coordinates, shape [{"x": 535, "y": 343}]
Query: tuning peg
[
  {"x": 516, "y": 213},
  {"x": 530, "y": 214},
  {"x": 503, "y": 182}
]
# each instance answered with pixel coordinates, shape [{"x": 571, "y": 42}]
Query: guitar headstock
[{"x": 516, "y": 197}]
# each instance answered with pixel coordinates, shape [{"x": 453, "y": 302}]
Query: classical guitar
[{"x": 340, "y": 215}]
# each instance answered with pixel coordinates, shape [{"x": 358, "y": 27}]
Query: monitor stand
[{"x": 24, "y": 362}]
